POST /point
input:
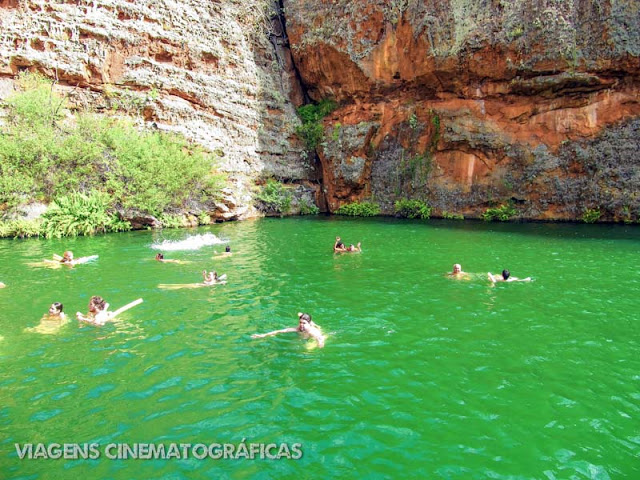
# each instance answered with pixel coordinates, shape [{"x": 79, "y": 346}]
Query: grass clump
[
  {"x": 502, "y": 213},
  {"x": 274, "y": 198},
  {"x": 357, "y": 209},
  {"x": 307, "y": 208},
  {"x": 21, "y": 228},
  {"x": 311, "y": 129},
  {"x": 406, "y": 208},
  {"x": 452, "y": 216},
  {"x": 591, "y": 215}
]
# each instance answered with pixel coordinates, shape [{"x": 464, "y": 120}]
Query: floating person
[
  {"x": 338, "y": 246},
  {"x": 67, "y": 259},
  {"x": 227, "y": 252},
  {"x": 98, "y": 311},
  {"x": 351, "y": 248},
  {"x": 52, "y": 321},
  {"x": 306, "y": 327},
  {"x": 160, "y": 258},
  {"x": 506, "y": 277},
  {"x": 457, "y": 272},
  {"x": 208, "y": 279}
]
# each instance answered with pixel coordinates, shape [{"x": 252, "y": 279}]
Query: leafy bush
[
  {"x": 307, "y": 208},
  {"x": 80, "y": 214},
  {"x": 502, "y": 213},
  {"x": 169, "y": 220},
  {"x": 274, "y": 198},
  {"x": 452, "y": 216},
  {"x": 356, "y": 209},
  {"x": 311, "y": 129},
  {"x": 412, "y": 209},
  {"x": 21, "y": 229},
  {"x": 591, "y": 215},
  {"x": 44, "y": 155}
]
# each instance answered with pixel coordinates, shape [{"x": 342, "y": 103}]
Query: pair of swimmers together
[
  {"x": 97, "y": 311},
  {"x": 338, "y": 247},
  {"x": 505, "y": 276}
]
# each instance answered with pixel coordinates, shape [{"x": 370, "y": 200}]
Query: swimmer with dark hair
[
  {"x": 51, "y": 322},
  {"x": 338, "y": 247},
  {"x": 55, "y": 310},
  {"x": 227, "y": 252},
  {"x": 98, "y": 311},
  {"x": 160, "y": 258},
  {"x": 306, "y": 327},
  {"x": 506, "y": 277}
]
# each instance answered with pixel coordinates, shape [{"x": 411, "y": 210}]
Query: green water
[{"x": 422, "y": 376}]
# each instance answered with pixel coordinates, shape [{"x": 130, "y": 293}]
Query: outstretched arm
[
  {"x": 275, "y": 332},
  {"x": 492, "y": 278}
]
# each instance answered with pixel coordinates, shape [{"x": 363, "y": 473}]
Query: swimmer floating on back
[
  {"x": 208, "y": 279},
  {"x": 67, "y": 259},
  {"x": 160, "y": 258},
  {"x": 306, "y": 327},
  {"x": 506, "y": 277}
]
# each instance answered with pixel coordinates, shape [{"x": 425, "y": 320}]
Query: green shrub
[
  {"x": 356, "y": 209},
  {"x": 21, "y": 228},
  {"x": 204, "y": 219},
  {"x": 502, "y": 213},
  {"x": 80, "y": 214},
  {"x": 311, "y": 129},
  {"x": 591, "y": 215},
  {"x": 169, "y": 220},
  {"x": 274, "y": 198},
  {"x": 452, "y": 216},
  {"x": 45, "y": 155},
  {"x": 412, "y": 209},
  {"x": 307, "y": 208}
]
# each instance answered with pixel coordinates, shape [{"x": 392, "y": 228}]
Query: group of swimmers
[{"x": 99, "y": 313}]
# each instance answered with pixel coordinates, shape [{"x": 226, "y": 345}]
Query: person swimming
[
  {"x": 52, "y": 321},
  {"x": 55, "y": 310},
  {"x": 351, "y": 248},
  {"x": 98, "y": 312},
  {"x": 338, "y": 246},
  {"x": 67, "y": 257},
  {"x": 306, "y": 327},
  {"x": 160, "y": 258},
  {"x": 457, "y": 272},
  {"x": 506, "y": 277}
]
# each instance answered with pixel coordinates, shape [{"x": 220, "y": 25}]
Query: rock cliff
[
  {"x": 218, "y": 72},
  {"x": 469, "y": 104}
]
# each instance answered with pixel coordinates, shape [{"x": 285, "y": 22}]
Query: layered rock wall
[
  {"x": 471, "y": 104},
  {"x": 216, "y": 71}
]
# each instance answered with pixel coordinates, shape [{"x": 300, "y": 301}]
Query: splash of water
[{"x": 193, "y": 242}]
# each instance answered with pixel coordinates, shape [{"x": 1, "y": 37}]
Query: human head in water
[
  {"x": 96, "y": 304},
  {"x": 227, "y": 249},
  {"x": 159, "y": 256},
  {"x": 67, "y": 256},
  {"x": 506, "y": 273},
  {"x": 304, "y": 320},
  {"x": 457, "y": 268},
  {"x": 55, "y": 308}
]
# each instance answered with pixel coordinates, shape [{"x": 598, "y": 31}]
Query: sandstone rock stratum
[{"x": 464, "y": 104}]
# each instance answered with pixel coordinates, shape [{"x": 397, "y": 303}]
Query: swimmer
[
  {"x": 351, "y": 248},
  {"x": 160, "y": 258},
  {"x": 457, "y": 272},
  {"x": 227, "y": 252},
  {"x": 306, "y": 327},
  {"x": 52, "y": 321},
  {"x": 210, "y": 278},
  {"x": 55, "y": 310},
  {"x": 339, "y": 246},
  {"x": 67, "y": 257},
  {"x": 98, "y": 312},
  {"x": 506, "y": 277}
]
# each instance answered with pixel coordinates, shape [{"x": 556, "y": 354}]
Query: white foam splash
[{"x": 193, "y": 242}]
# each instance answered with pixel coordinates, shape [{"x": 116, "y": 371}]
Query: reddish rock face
[{"x": 471, "y": 106}]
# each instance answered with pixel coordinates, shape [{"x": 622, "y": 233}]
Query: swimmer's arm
[
  {"x": 275, "y": 332},
  {"x": 492, "y": 278},
  {"x": 84, "y": 318}
]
